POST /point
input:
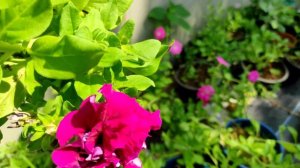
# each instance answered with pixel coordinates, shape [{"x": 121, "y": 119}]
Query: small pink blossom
[
  {"x": 253, "y": 76},
  {"x": 222, "y": 61},
  {"x": 160, "y": 33},
  {"x": 176, "y": 48},
  {"x": 205, "y": 93},
  {"x": 106, "y": 134}
]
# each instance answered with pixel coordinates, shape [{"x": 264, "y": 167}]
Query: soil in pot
[
  {"x": 274, "y": 73},
  {"x": 189, "y": 80}
]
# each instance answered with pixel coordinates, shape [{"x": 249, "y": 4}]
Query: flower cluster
[
  {"x": 107, "y": 134},
  {"x": 205, "y": 93},
  {"x": 253, "y": 76},
  {"x": 222, "y": 61}
]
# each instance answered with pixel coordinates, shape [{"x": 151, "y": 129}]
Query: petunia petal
[
  {"x": 66, "y": 129},
  {"x": 66, "y": 157}
]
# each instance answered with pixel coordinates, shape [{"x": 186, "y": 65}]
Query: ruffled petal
[
  {"x": 66, "y": 157},
  {"x": 66, "y": 129}
]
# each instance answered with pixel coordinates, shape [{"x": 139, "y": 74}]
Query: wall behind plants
[{"x": 198, "y": 9}]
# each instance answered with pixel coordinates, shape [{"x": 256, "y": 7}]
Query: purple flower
[
  {"x": 222, "y": 61},
  {"x": 253, "y": 76},
  {"x": 205, "y": 93},
  {"x": 106, "y": 134},
  {"x": 160, "y": 33},
  {"x": 176, "y": 48}
]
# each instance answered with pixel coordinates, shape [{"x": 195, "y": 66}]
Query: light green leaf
[
  {"x": 36, "y": 136},
  {"x": 8, "y": 4},
  {"x": 7, "y": 96},
  {"x": 126, "y": 32},
  {"x": 66, "y": 57},
  {"x": 80, "y": 4},
  {"x": 30, "y": 83},
  {"x": 58, "y": 2},
  {"x": 112, "y": 11},
  {"x": 1, "y": 73},
  {"x": 144, "y": 58},
  {"x": 88, "y": 85},
  {"x": 26, "y": 20},
  {"x": 7, "y": 47},
  {"x": 92, "y": 21},
  {"x": 70, "y": 20},
  {"x": 134, "y": 81},
  {"x": 111, "y": 56}
]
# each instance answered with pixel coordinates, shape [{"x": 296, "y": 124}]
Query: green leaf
[
  {"x": 134, "y": 81},
  {"x": 179, "y": 21},
  {"x": 80, "y": 4},
  {"x": 1, "y": 73},
  {"x": 180, "y": 10},
  {"x": 112, "y": 11},
  {"x": 30, "y": 82},
  {"x": 58, "y": 2},
  {"x": 290, "y": 147},
  {"x": 93, "y": 21},
  {"x": 26, "y": 20},
  {"x": 111, "y": 56},
  {"x": 7, "y": 47},
  {"x": 66, "y": 57},
  {"x": 126, "y": 32},
  {"x": 36, "y": 136},
  {"x": 7, "y": 95},
  {"x": 70, "y": 20},
  {"x": 157, "y": 13},
  {"x": 294, "y": 133},
  {"x": 9, "y": 4},
  {"x": 144, "y": 58},
  {"x": 88, "y": 85}
]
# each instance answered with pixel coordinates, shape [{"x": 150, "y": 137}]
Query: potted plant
[{"x": 252, "y": 142}]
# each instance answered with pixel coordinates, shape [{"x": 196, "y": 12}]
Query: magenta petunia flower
[
  {"x": 107, "y": 134},
  {"x": 205, "y": 93},
  {"x": 222, "y": 61},
  {"x": 176, "y": 48},
  {"x": 160, "y": 33},
  {"x": 253, "y": 76}
]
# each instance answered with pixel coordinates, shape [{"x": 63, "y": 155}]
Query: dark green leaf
[{"x": 158, "y": 13}]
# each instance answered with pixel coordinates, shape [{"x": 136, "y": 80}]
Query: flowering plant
[
  {"x": 69, "y": 50},
  {"x": 111, "y": 133}
]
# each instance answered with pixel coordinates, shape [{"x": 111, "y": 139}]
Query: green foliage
[
  {"x": 69, "y": 42},
  {"x": 16, "y": 154},
  {"x": 170, "y": 17},
  {"x": 15, "y": 20}
]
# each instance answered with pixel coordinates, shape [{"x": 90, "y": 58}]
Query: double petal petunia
[
  {"x": 106, "y": 134},
  {"x": 205, "y": 93}
]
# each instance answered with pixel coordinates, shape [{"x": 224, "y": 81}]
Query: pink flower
[
  {"x": 222, "y": 61},
  {"x": 176, "y": 48},
  {"x": 106, "y": 134},
  {"x": 205, "y": 93},
  {"x": 159, "y": 33},
  {"x": 253, "y": 76}
]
